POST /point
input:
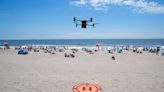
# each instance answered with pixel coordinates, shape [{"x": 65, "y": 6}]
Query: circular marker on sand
[{"x": 87, "y": 88}]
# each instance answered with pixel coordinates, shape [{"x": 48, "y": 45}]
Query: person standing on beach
[{"x": 157, "y": 51}]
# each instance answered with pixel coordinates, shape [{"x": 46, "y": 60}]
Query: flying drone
[{"x": 84, "y": 23}]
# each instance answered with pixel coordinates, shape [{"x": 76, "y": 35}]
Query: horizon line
[{"x": 92, "y": 39}]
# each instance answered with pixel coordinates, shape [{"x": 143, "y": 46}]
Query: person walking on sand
[{"x": 157, "y": 51}]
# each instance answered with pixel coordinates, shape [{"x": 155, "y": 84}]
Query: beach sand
[{"x": 43, "y": 72}]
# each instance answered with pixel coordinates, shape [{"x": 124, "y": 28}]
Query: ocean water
[{"x": 86, "y": 42}]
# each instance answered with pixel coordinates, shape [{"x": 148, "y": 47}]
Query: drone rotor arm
[
  {"x": 91, "y": 20},
  {"x": 89, "y": 25},
  {"x": 75, "y": 20}
]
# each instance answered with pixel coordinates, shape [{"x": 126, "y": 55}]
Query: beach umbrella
[
  {"x": 6, "y": 45},
  {"x": 157, "y": 46},
  {"x": 22, "y": 52},
  {"x": 98, "y": 45}
]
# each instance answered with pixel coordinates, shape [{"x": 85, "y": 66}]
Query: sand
[{"x": 43, "y": 72}]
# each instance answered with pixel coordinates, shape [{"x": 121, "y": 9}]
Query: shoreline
[{"x": 86, "y": 42}]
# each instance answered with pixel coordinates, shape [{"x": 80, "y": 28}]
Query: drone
[{"x": 84, "y": 23}]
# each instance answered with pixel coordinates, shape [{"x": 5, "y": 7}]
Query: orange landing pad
[{"x": 87, "y": 88}]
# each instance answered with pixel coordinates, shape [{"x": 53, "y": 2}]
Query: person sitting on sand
[
  {"x": 113, "y": 58},
  {"x": 69, "y": 55},
  {"x": 52, "y": 52},
  {"x": 66, "y": 55},
  {"x": 73, "y": 52},
  {"x": 36, "y": 50},
  {"x": 72, "y": 55}
]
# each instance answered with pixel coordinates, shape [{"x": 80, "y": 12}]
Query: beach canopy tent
[
  {"x": 6, "y": 45},
  {"x": 22, "y": 52},
  {"x": 29, "y": 48},
  {"x": 110, "y": 49},
  {"x": 24, "y": 47},
  {"x": 162, "y": 50},
  {"x": 158, "y": 46},
  {"x": 119, "y": 49}
]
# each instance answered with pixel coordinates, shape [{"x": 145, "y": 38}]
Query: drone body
[{"x": 84, "y": 23}]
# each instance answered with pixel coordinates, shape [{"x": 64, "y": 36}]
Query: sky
[{"x": 53, "y": 19}]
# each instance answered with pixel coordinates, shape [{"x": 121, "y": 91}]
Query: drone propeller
[
  {"x": 94, "y": 24},
  {"x": 76, "y": 24},
  {"x": 74, "y": 19}
]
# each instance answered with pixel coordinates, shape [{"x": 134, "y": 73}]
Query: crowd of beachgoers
[{"x": 52, "y": 49}]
